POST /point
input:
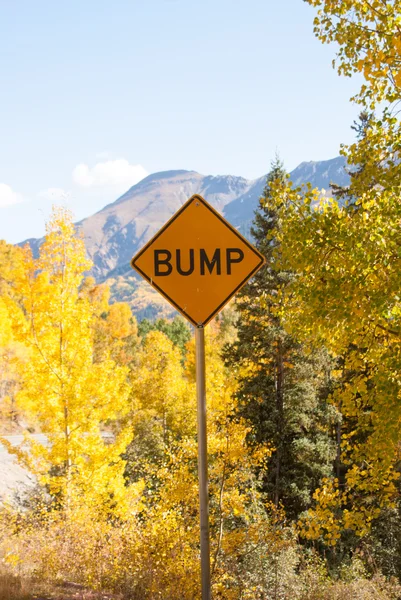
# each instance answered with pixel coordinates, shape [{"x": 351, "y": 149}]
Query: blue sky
[{"x": 96, "y": 93}]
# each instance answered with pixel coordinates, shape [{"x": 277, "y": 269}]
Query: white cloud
[
  {"x": 54, "y": 194},
  {"x": 8, "y": 196},
  {"x": 117, "y": 173}
]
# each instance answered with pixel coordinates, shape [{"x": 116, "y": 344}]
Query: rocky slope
[{"x": 115, "y": 233}]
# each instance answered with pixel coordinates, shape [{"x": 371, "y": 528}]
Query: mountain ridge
[{"x": 115, "y": 233}]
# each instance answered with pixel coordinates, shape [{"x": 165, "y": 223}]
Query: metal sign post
[
  {"x": 198, "y": 261},
  {"x": 202, "y": 462}
]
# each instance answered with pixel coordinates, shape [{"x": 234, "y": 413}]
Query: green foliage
[
  {"x": 381, "y": 548},
  {"x": 282, "y": 386},
  {"x": 177, "y": 330},
  {"x": 346, "y": 261}
]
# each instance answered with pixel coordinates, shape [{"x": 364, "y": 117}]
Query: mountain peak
[
  {"x": 156, "y": 179},
  {"x": 166, "y": 175},
  {"x": 321, "y": 173}
]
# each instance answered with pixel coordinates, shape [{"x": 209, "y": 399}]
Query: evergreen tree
[
  {"x": 345, "y": 194},
  {"x": 282, "y": 387}
]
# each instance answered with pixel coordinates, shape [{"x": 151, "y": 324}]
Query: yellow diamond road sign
[{"x": 197, "y": 261}]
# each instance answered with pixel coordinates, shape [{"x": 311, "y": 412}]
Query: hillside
[{"x": 115, "y": 233}]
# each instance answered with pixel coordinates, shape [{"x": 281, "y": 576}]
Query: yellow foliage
[
  {"x": 159, "y": 392},
  {"x": 61, "y": 388},
  {"x": 369, "y": 37},
  {"x": 346, "y": 296},
  {"x": 144, "y": 537}
]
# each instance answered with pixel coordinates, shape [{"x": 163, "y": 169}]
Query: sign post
[
  {"x": 202, "y": 461},
  {"x": 198, "y": 262}
]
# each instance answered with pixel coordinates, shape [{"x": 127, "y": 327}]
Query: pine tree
[
  {"x": 344, "y": 194},
  {"x": 282, "y": 387},
  {"x": 176, "y": 330}
]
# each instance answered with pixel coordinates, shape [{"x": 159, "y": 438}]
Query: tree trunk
[{"x": 280, "y": 419}]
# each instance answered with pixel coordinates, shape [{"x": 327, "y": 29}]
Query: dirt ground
[{"x": 16, "y": 589}]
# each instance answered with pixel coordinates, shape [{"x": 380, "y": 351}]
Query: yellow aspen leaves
[{"x": 73, "y": 399}]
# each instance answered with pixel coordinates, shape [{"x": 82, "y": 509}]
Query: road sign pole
[
  {"x": 198, "y": 261},
  {"x": 202, "y": 462}
]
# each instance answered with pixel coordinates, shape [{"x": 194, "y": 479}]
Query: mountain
[
  {"x": 320, "y": 174},
  {"x": 115, "y": 233}
]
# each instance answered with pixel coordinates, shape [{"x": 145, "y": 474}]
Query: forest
[{"x": 303, "y": 392}]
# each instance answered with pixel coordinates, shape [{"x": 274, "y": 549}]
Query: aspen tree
[{"x": 71, "y": 397}]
